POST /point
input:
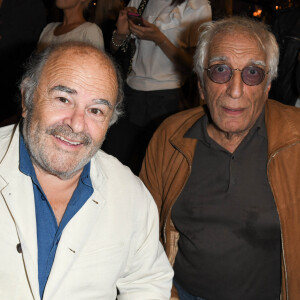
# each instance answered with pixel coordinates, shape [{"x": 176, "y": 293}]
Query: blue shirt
[{"x": 48, "y": 231}]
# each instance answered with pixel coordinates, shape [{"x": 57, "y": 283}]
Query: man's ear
[
  {"x": 268, "y": 87},
  {"x": 24, "y": 109},
  {"x": 200, "y": 88}
]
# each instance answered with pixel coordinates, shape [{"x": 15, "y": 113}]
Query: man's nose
[
  {"x": 76, "y": 119},
  {"x": 235, "y": 86}
]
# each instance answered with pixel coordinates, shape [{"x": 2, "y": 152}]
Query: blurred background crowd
[{"x": 30, "y": 25}]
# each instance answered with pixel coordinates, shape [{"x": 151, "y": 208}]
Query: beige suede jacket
[{"x": 167, "y": 166}]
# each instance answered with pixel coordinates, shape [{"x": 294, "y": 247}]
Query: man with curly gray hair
[
  {"x": 225, "y": 176},
  {"x": 75, "y": 222}
]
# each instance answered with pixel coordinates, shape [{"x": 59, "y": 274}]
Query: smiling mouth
[
  {"x": 67, "y": 141},
  {"x": 65, "y": 134}
]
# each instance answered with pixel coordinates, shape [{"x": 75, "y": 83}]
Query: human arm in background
[
  {"x": 122, "y": 30},
  {"x": 182, "y": 59}
]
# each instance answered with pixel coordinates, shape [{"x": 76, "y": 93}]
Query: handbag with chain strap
[{"x": 124, "y": 55}]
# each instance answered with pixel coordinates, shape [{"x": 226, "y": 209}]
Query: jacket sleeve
[
  {"x": 151, "y": 171},
  {"x": 149, "y": 274}
]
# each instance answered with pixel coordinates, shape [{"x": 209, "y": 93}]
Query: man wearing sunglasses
[{"x": 225, "y": 176}]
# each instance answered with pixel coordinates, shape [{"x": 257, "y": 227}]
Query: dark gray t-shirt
[{"x": 230, "y": 245}]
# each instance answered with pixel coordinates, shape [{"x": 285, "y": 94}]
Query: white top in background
[
  {"x": 86, "y": 32},
  {"x": 151, "y": 68}
]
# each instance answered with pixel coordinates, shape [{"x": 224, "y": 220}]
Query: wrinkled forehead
[
  {"x": 236, "y": 44},
  {"x": 85, "y": 67},
  {"x": 81, "y": 59}
]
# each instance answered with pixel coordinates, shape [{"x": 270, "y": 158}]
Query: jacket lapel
[
  {"x": 282, "y": 132},
  {"x": 16, "y": 189},
  {"x": 187, "y": 145}
]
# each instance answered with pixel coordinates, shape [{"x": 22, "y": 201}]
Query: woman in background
[
  {"x": 73, "y": 28},
  {"x": 165, "y": 42}
]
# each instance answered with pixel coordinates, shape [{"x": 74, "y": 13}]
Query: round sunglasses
[{"x": 221, "y": 73}]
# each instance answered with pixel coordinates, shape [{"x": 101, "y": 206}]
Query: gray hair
[
  {"x": 36, "y": 63},
  {"x": 236, "y": 24}
]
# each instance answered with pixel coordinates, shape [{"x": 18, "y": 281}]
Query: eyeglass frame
[{"x": 231, "y": 73}]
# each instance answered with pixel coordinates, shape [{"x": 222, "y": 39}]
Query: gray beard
[{"x": 40, "y": 156}]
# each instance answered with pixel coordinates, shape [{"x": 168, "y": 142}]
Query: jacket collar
[
  {"x": 184, "y": 144},
  {"x": 10, "y": 157},
  {"x": 20, "y": 202},
  {"x": 282, "y": 130}
]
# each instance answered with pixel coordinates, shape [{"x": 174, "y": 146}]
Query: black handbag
[{"x": 124, "y": 55}]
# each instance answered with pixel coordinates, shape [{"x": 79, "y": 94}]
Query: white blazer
[{"x": 111, "y": 243}]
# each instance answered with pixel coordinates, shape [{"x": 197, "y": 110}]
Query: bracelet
[
  {"x": 114, "y": 39},
  {"x": 115, "y": 44}
]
